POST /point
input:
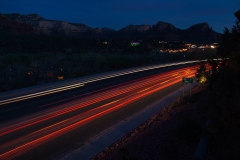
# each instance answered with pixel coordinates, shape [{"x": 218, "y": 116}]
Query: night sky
[{"x": 117, "y": 14}]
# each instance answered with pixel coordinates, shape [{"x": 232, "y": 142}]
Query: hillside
[
  {"x": 201, "y": 32},
  {"x": 8, "y": 26}
]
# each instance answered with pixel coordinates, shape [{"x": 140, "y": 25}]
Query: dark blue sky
[{"x": 117, "y": 14}]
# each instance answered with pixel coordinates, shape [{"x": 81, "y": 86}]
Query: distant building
[
  {"x": 193, "y": 46},
  {"x": 212, "y": 46},
  {"x": 135, "y": 44},
  {"x": 188, "y": 44},
  {"x": 163, "y": 42},
  {"x": 60, "y": 77}
]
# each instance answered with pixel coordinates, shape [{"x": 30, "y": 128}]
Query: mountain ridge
[
  {"x": 7, "y": 26},
  {"x": 160, "y": 30}
]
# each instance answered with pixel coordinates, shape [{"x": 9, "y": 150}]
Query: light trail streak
[
  {"x": 125, "y": 83},
  {"x": 80, "y": 82},
  {"x": 56, "y": 126},
  {"x": 97, "y": 98},
  {"x": 20, "y": 98},
  {"x": 28, "y": 146},
  {"x": 52, "y": 131},
  {"x": 144, "y": 90}
]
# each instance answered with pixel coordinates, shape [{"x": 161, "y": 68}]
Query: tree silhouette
[{"x": 225, "y": 96}]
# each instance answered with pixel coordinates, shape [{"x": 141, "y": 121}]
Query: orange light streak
[
  {"x": 122, "y": 102},
  {"x": 96, "y": 99}
]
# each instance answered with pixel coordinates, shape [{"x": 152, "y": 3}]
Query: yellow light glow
[
  {"x": 60, "y": 77},
  {"x": 203, "y": 79}
]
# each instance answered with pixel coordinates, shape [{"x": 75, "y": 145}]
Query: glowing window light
[{"x": 134, "y": 44}]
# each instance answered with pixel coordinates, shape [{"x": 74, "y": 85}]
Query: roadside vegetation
[
  {"x": 222, "y": 99},
  {"x": 28, "y": 61}
]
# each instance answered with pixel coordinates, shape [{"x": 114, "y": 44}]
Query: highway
[
  {"x": 43, "y": 128},
  {"x": 41, "y": 90}
]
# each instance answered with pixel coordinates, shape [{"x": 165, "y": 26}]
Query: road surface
[{"x": 59, "y": 125}]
